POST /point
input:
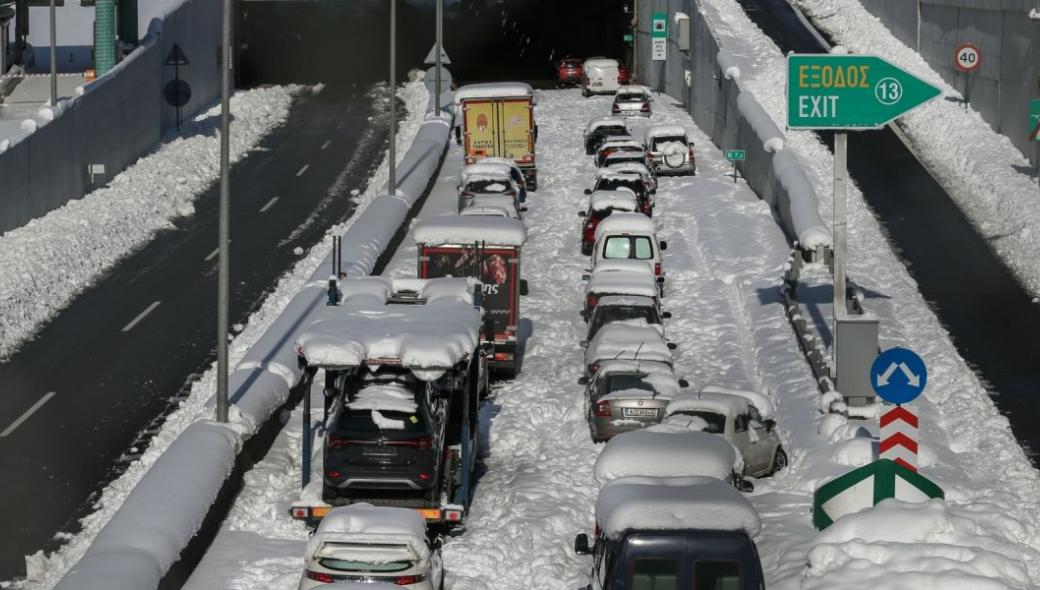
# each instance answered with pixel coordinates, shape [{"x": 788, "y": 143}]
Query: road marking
[
  {"x": 141, "y": 316},
  {"x": 39, "y": 403},
  {"x": 268, "y": 205},
  {"x": 327, "y": 143},
  {"x": 302, "y": 170}
]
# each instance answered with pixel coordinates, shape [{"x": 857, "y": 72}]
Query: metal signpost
[
  {"x": 898, "y": 376},
  {"x": 177, "y": 91},
  {"x": 54, "y": 57},
  {"x": 659, "y": 37},
  {"x": 735, "y": 156},
  {"x": 967, "y": 59},
  {"x": 1034, "y": 134},
  {"x": 392, "y": 181},
  {"x": 438, "y": 76},
  {"x": 225, "y": 199},
  {"x": 847, "y": 92}
]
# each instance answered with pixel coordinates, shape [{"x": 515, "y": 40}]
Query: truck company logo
[{"x": 482, "y": 123}]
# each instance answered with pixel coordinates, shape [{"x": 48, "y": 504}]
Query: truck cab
[{"x": 690, "y": 533}]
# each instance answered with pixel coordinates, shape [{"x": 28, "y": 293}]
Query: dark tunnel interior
[{"x": 345, "y": 42}]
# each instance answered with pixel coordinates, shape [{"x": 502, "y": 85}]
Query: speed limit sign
[{"x": 968, "y": 58}]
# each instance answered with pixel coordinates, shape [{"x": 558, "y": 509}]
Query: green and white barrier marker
[{"x": 865, "y": 487}]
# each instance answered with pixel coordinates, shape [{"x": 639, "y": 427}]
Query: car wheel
[
  {"x": 586, "y": 250},
  {"x": 779, "y": 461}
]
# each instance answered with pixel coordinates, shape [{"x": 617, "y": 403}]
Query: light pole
[
  {"x": 54, "y": 56},
  {"x": 224, "y": 231},
  {"x": 393, "y": 98},
  {"x": 440, "y": 41}
]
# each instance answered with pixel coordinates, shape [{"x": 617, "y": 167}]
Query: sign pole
[
  {"x": 54, "y": 57},
  {"x": 392, "y": 183},
  {"x": 224, "y": 231},
  {"x": 440, "y": 42},
  {"x": 841, "y": 175}
]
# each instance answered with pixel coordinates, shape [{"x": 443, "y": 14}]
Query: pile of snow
[
  {"x": 653, "y": 453},
  {"x": 459, "y": 230},
  {"x": 921, "y": 546},
  {"x": 673, "y": 503},
  {"x": 365, "y": 329},
  {"x": 626, "y": 223},
  {"x": 391, "y": 398},
  {"x": 46, "y": 263},
  {"x": 365, "y": 524}
]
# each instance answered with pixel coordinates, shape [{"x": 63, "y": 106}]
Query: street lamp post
[
  {"x": 224, "y": 231},
  {"x": 54, "y": 56},
  {"x": 393, "y": 98},
  {"x": 440, "y": 41}
]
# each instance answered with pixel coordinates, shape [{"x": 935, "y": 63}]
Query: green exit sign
[
  {"x": 736, "y": 155},
  {"x": 1034, "y": 119},
  {"x": 827, "y": 91},
  {"x": 628, "y": 37}
]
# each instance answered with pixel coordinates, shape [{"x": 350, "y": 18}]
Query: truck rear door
[{"x": 517, "y": 130}]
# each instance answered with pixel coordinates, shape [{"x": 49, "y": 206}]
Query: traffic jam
[{"x": 408, "y": 364}]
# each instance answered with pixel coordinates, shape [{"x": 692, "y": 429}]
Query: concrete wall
[
  {"x": 730, "y": 116},
  {"x": 115, "y": 120},
  {"x": 1010, "y": 44}
]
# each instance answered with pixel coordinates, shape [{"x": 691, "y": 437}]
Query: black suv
[{"x": 386, "y": 433}]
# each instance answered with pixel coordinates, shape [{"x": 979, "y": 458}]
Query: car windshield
[
  {"x": 630, "y": 97},
  {"x": 621, "y": 382},
  {"x": 606, "y": 314},
  {"x": 375, "y": 421},
  {"x": 609, "y": 184},
  {"x": 716, "y": 422},
  {"x": 637, "y": 247},
  {"x": 655, "y": 574},
  {"x": 350, "y": 565},
  {"x": 716, "y": 575},
  {"x": 487, "y": 186}
]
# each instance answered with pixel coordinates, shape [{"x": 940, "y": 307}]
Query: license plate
[
  {"x": 639, "y": 412},
  {"x": 379, "y": 451},
  {"x": 597, "y": 83}
]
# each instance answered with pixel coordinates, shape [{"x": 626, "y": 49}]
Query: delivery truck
[{"x": 497, "y": 120}]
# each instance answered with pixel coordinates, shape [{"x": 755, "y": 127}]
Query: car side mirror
[
  {"x": 583, "y": 380},
  {"x": 586, "y": 277},
  {"x": 744, "y": 485},
  {"x": 581, "y": 214},
  {"x": 672, "y": 346},
  {"x": 684, "y": 383},
  {"x": 523, "y": 209},
  {"x": 666, "y": 315},
  {"x": 664, "y": 245},
  {"x": 581, "y": 545},
  {"x": 524, "y": 290},
  {"x": 588, "y": 191},
  {"x": 660, "y": 280},
  {"x": 770, "y": 425},
  {"x": 584, "y": 344}
]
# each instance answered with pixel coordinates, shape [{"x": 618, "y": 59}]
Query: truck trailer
[{"x": 498, "y": 121}]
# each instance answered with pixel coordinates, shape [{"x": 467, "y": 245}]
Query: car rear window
[
  {"x": 374, "y": 421},
  {"x": 618, "y": 313},
  {"x": 716, "y": 575},
  {"x": 628, "y": 97},
  {"x": 637, "y": 247},
  {"x": 347, "y": 565},
  {"x": 654, "y": 574},
  {"x": 716, "y": 422},
  {"x": 609, "y": 184},
  {"x": 487, "y": 186},
  {"x": 659, "y": 142},
  {"x": 620, "y": 382}
]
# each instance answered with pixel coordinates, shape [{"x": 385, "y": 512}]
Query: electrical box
[{"x": 682, "y": 23}]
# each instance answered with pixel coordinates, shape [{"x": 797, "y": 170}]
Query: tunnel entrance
[{"x": 345, "y": 42}]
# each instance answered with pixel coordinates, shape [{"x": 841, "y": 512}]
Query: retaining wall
[
  {"x": 1010, "y": 43},
  {"x": 731, "y": 116},
  {"x": 113, "y": 120}
]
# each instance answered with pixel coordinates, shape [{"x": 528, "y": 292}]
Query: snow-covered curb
[
  {"x": 47, "y": 263},
  {"x": 976, "y": 165},
  {"x": 45, "y": 571}
]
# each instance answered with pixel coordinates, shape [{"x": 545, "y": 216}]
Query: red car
[
  {"x": 622, "y": 76},
  {"x": 569, "y": 71}
]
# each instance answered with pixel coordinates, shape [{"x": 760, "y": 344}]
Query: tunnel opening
[{"x": 346, "y": 42}]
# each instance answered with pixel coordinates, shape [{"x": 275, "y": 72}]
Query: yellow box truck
[{"x": 497, "y": 120}]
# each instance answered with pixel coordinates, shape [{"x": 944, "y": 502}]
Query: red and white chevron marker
[{"x": 899, "y": 437}]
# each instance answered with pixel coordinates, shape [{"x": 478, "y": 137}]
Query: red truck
[{"x": 487, "y": 248}]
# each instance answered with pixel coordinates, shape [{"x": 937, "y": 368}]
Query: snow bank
[
  {"x": 673, "y": 503},
  {"x": 453, "y": 229},
  {"x": 107, "y": 554},
  {"x": 653, "y": 453}
]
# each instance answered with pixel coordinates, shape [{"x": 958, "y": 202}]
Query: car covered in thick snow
[
  {"x": 502, "y": 167},
  {"x": 632, "y": 101},
  {"x": 669, "y": 149},
  {"x": 373, "y": 546},
  {"x": 618, "y": 277},
  {"x": 624, "y": 157},
  {"x": 608, "y": 179},
  {"x": 630, "y": 236},
  {"x": 625, "y": 395},
  {"x": 615, "y": 309},
  {"x": 598, "y": 130},
  {"x": 600, "y": 76},
  {"x": 602, "y": 204},
  {"x": 744, "y": 418},
  {"x": 480, "y": 184},
  {"x": 689, "y": 533},
  {"x": 645, "y": 172},
  {"x": 626, "y": 342},
  {"x": 614, "y": 144},
  {"x": 506, "y": 205}
]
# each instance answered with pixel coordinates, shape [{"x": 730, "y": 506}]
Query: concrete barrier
[
  {"x": 168, "y": 506},
  {"x": 707, "y": 81}
]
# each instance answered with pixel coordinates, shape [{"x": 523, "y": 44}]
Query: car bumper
[
  {"x": 604, "y": 428},
  {"x": 374, "y": 478}
]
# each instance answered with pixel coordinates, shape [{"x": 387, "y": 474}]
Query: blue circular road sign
[{"x": 898, "y": 375}]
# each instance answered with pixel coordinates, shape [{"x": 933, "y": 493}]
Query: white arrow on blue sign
[{"x": 898, "y": 375}]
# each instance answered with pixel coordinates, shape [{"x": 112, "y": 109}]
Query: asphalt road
[{"x": 101, "y": 375}]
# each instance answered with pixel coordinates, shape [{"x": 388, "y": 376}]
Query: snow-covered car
[
  {"x": 625, "y": 396},
  {"x": 614, "y": 309},
  {"x": 602, "y": 204},
  {"x": 496, "y": 166},
  {"x": 600, "y": 76},
  {"x": 598, "y": 130},
  {"x": 672, "y": 454},
  {"x": 386, "y": 435},
  {"x": 489, "y": 210},
  {"x": 630, "y": 236},
  {"x": 487, "y": 184},
  {"x": 608, "y": 179},
  {"x": 669, "y": 149},
  {"x": 673, "y": 532},
  {"x": 744, "y": 418},
  {"x": 632, "y": 101},
  {"x": 618, "y": 277},
  {"x": 645, "y": 172},
  {"x": 373, "y": 546},
  {"x": 504, "y": 204},
  {"x": 621, "y": 342},
  {"x": 568, "y": 71},
  {"x": 614, "y": 144},
  {"x": 622, "y": 157}
]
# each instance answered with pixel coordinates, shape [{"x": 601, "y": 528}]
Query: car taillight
[
  {"x": 319, "y": 577},
  {"x": 657, "y": 268},
  {"x": 603, "y": 409},
  {"x": 589, "y": 233},
  {"x": 615, "y": 109},
  {"x": 406, "y": 580},
  {"x": 467, "y": 194},
  {"x": 334, "y": 474},
  {"x": 591, "y": 300},
  {"x": 424, "y": 476},
  {"x": 645, "y": 107},
  {"x": 424, "y": 443},
  {"x": 689, "y": 153},
  {"x": 503, "y": 356},
  {"x": 338, "y": 442}
]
